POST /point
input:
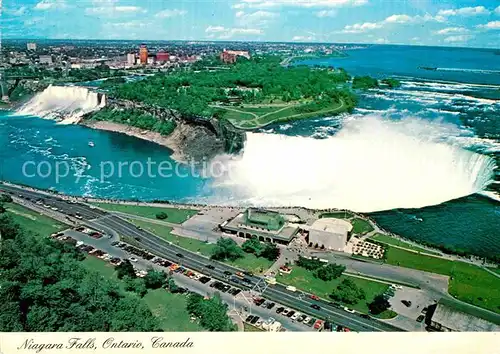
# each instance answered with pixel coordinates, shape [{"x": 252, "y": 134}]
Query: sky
[{"x": 464, "y": 23}]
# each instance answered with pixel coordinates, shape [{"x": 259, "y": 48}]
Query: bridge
[{"x": 5, "y": 90}]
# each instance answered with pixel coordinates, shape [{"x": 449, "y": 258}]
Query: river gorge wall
[{"x": 193, "y": 139}]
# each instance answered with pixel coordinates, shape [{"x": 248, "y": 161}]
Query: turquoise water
[
  {"x": 465, "y": 96},
  {"x": 46, "y": 144}
]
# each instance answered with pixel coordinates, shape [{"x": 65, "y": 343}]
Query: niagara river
[{"x": 420, "y": 158}]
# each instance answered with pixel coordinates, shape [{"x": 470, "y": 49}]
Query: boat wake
[{"x": 371, "y": 164}]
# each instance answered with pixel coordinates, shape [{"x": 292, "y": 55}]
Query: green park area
[
  {"x": 169, "y": 309},
  {"x": 250, "y": 93},
  {"x": 248, "y": 262},
  {"x": 468, "y": 282},
  {"x": 33, "y": 221},
  {"x": 388, "y": 240},
  {"x": 360, "y": 226},
  {"x": 496, "y": 270},
  {"x": 304, "y": 279},
  {"x": 173, "y": 215}
]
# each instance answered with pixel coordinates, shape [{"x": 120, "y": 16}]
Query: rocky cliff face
[{"x": 194, "y": 138}]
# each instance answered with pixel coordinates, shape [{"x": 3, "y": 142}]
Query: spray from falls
[
  {"x": 65, "y": 103},
  {"x": 371, "y": 164}
]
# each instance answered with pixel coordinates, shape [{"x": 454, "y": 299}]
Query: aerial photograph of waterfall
[{"x": 246, "y": 165}]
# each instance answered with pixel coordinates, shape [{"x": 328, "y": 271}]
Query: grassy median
[
  {"x": 174, "y": 215},
  {"x": 249, "y": 262},
  {"x": 33, "y": 221}
]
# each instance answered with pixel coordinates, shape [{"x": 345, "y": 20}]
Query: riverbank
[{"x": 171, "y": 141}]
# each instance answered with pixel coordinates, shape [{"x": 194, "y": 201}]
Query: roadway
[{"x": 197, "y": 262}]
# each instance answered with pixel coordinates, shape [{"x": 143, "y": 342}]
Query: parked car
[
  {"x": 279, "y": 310},
  {"x": 407, "y": 303},
  {"x": 420, "y": 318},
  {"x": 132, "y": 259}
]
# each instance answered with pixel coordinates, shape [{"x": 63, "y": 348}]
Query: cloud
[
  {"x": 452, "y": 30},
  {"x": 394, "y": 19},
  {"x": 111, "y": 7},
  {"x": 225, "y": 33},
  {"x": 264, "y": 4},
  {"x": 303, "y": 38},
  {"x": 497, "y": 10},
  {"x": 465, "y": 11},
  {"x": 171, "y": 13},
  {"x": 460, "y": 38},
  {"x": 326, "y": 13},
  {"x": 259, "y": 18},
  {"x": 382, "y": 41},
  {"x": 493, "y": 25},
  {"x": 51, "y": 5}
]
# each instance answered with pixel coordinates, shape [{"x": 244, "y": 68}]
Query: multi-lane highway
[{"x": 197, "y": 262}]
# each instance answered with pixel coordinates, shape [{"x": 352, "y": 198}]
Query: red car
[{"x": 314, "y": 297}]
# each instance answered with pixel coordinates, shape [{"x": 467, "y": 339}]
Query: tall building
[
  {"x": 143, "y": 54},
  {"x": 31, "y": 46},
  {"x": 131, "y": 58}
]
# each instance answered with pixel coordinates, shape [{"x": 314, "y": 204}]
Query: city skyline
[{"x": 461, "y": 23}]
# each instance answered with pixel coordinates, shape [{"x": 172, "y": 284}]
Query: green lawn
[
  {"x": 175, "y": 215},
  {"x": 468, "y": 282},
  {"x": 170, "y": 309},
  {"x": 338, "y": 215},
  {"x": 386, "y": 315},
  {"x": 393, "y": 241},
  {"x": 303, "y": 279},
  {"x": 496, "y": 270},
  {"x": 249, "y": 328},
  {"x": 33, "y": 221},
  {"x": 360, "y": 226},
  {"x": 250, "y": 262}
]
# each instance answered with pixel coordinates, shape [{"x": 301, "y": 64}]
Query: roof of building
[
  {"x": 457, "y": 319},
  {"x": 334, "y": 226},
  {"x": 264, "y": 218}
]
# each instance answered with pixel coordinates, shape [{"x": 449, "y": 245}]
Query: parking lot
[{"x": 239, "y": 301}]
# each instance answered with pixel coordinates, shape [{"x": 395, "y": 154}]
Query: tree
[
  {"x": 379, "y": 305},
  {"x": 270, "y": 252},
  {"x": 155, "y": 279},
  {"x": 309, "y": 264},
  {"x": 45, "y": 288},
  {"x": 348, "y": 292},
  {"x": 161, "y": 215},
  {"x": 329, "y": 272},
  {"x": 2, "y": 209},
  {"x": 226, "y": 248},
  {"x": 211, "y": 312},
  {"x": 136, "y": 285},
  {"x": 172, "y": 285},
  {"x": 252, "y": 245},
  {"x": 5, "y": 198},
  {"x": 125, "y": 269}
]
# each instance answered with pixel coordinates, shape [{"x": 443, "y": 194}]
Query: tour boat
[{"x": 91, "y": 144}]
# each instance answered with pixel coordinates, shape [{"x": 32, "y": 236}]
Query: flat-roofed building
[
  {"x": 329, "y": 233},
  {"x": 266, "y": 225},
  {"x": 453, "y": 317}
]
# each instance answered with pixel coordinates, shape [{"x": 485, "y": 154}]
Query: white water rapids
[{"x": 371, "y": 164}]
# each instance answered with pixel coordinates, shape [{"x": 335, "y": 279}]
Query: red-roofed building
[{"x": 230, "y": 56}]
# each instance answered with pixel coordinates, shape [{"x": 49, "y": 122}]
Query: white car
[
  {"x": 307, "y": 319},
  {"x": 397, "y": 286},
  {"x": 132, "y": 259},
  {"x": 296, "y": 315},
  {"x": 285, "y": 312},
  {"x": 54, "y": 208},
  {"x": 349, "y": 310}
]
